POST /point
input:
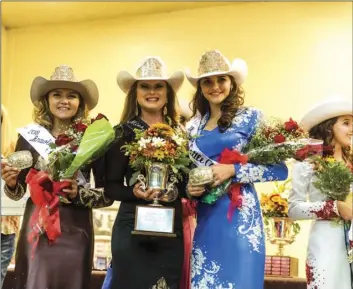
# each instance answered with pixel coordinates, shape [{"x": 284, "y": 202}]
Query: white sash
[
  {"x": 194, "y": 128},
  {"x": 38, "y": 137}
]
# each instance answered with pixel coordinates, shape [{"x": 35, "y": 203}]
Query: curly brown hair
[
  {"x": 229, "y": 106},
  {"x": 131, "y": 107},
  {"x": 43, "y": 116},
  {"x": 324, "y": 131}
]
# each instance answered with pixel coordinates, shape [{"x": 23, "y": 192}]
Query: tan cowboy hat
[
  {"x": 151, "y": 68},
  {"x": 64, "y": 77},
  {"x": 329, "y": 108},
  {"x": 214, "y": 63}
]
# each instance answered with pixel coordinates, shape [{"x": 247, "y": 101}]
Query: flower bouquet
[
  {"x": 335, "y": 181},
  {"x": 160, "y": 143},
  {"x": 272, "y": 143},
  {"x": 280, "y": 229},
  {"x": 81, "y": 143}
]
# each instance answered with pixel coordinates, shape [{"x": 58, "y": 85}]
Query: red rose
[
  {"x": 291, "y": 125},
  {"x": 74, "y": 148},
  {"x": 279, "y": 138},
  {"x": 62, "y": 139},
  {"x": 80, "y": 127}
]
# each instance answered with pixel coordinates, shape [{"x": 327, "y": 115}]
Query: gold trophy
[
  {"x": 281, "y": 231},
  {"x": 155, "y": 219}
]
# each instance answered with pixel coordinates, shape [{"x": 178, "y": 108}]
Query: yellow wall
[{"x": 297, "y": 54}]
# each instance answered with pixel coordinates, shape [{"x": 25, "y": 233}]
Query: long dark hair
[
  {"x": 132, "y": 108},
  {"x": 324, "y": 131},
  {"x": 229, "y": 106}
]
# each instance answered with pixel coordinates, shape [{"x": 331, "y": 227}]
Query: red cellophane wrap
[
  {"x": 233, "y": 157},
  {"x": 45, "y": 194},
  {"x": 189, "y": 224}
]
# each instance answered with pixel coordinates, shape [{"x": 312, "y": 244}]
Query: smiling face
[
  {"x": 63, "y": 103},
  {"x": 152, "y": 95},
  {"x": 216, "y": 88},
  {"x": 343, "y": 131}
]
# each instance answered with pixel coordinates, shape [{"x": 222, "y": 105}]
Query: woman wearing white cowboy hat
[
  {"x": 155, "y": 262},
  {"x": 327, "y": 263},
  {"x": 228, "y": 252},
  {"x": 57, "y": 103}
]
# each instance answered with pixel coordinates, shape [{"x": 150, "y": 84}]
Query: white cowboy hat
[
  {"x": 214, "y": 63},
  {"x": 184, "y": 108},
  {"x": 151, "y": 68},
  {"x": 329, "y": 108},
  {"x": 63, "y": 77}
]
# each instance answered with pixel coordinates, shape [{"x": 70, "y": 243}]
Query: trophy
[
  {"x": 281, "y": 231},
  {"x": 20, "y": 160},
  {"x": 156, "y": 219},
  {"x": 201, "y": 176}
]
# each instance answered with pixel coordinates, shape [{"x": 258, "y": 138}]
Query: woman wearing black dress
[{"x": 143, "y": 262}]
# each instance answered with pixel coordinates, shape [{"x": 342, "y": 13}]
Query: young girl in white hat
[{"x": 327, "y": 265}]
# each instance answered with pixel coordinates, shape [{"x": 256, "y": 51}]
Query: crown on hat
[
  {"x": 64, "y": 73},
  {"x": 151, "y": 67},
  {"x": 213, "y": 61}
]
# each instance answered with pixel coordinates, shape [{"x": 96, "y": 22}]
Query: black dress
[
  {"x": 139, "y": 262},
  {"x": 66, "y": 264}
]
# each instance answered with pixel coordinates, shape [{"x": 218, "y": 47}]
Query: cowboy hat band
[
  {"x": 151, "y": 68},
  {"x": 213, "y": 63}
]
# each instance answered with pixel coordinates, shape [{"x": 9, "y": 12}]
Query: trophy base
[
  {"x": 281, "y": 266},
  {"x": 154, "y": 234},
  {"x": 157, "y": 221}
]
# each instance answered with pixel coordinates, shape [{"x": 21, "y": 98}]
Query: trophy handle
[
  {"x": 172, "y": 191},
  {"x": 142, "y": 181}
]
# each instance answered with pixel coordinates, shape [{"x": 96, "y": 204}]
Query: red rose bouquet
[{"x": 78, "y": 146}]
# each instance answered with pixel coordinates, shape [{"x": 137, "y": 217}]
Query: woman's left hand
[
  {"x": 221, "y": 173},
  {"x": 71, "y": 192}
]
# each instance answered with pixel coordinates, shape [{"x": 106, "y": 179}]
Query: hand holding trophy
[
  {"x": 13, "y": 164},
  {"x": 160, "y": 152}
]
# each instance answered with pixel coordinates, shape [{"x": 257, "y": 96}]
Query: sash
[
  {"x": 38, "y": 137},
  {"x": 137, "y": 123},
  {"x": 194, "y": 128}
]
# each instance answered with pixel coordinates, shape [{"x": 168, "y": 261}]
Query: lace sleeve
[{"x": 14, "y": 194}]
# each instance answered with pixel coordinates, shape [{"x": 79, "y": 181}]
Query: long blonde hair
[{"x": 7, "y": 146}]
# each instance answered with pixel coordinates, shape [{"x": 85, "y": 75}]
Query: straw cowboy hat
[
  {"x": 151, "y": 68},
  {"x": 329, "y": 108},
  {"x": 64, "y": 77},
  {"x": 214, "y": 63}
]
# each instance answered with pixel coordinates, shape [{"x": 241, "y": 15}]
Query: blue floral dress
[{"x": 230, "y": 254}]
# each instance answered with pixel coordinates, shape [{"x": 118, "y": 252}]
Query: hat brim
[
  {"x": 238, "y": 77},
  {"x": 125, "y": 80},
  {"x": 86, "y": 88},
  {"x": 239, "y": 71},
  {"x": 324, "y": 111}
]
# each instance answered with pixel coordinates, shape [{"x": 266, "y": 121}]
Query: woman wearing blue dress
[{"x": 228, "y": 250}]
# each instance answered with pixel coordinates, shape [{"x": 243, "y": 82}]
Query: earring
[
  {"x": 165, "y": 110},
  {"x": 231, "y": 87}
]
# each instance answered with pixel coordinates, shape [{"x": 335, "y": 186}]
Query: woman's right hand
[
  {"x": 9, "y": 174},
  {"x": 195, "y": 191},
  {"x": 148, "y": 195},
  {"x": 345, "y": 210}
]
